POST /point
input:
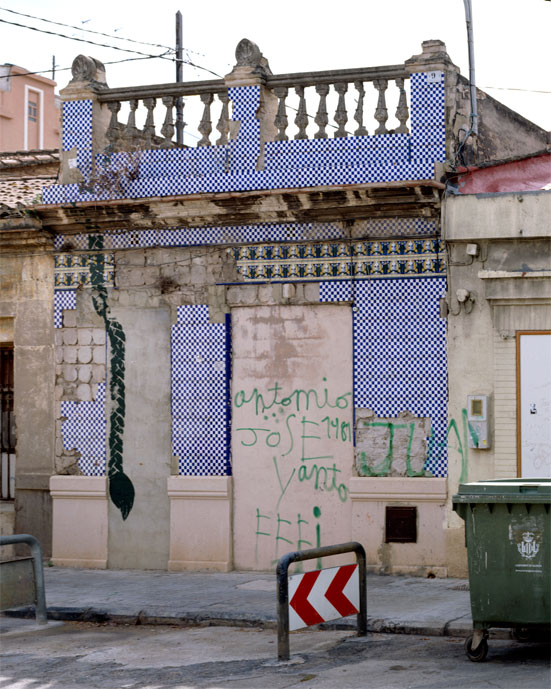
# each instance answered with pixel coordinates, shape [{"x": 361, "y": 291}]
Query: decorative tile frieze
[
  {"x": 380, "y": 259},
  {"x": 73, "y": 270}
]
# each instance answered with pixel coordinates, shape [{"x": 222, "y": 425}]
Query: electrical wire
[
  {"x": 83, "y": 40},
  {"x": 98, "y": 33},
  {"x": 506, "y": 88},
  {"x": 65, "y": 69},
  {"x": 164, "y": 56},
  {"x": 79, "y": 28}
]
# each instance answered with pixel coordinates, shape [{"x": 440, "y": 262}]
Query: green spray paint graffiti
[
  {"x": 121, "y": 489},
  {"x": 300, "y": 432},
  {"x": 383, "y": 469},
  {"x": 385, "y": 466},
  {"x": 293, "y": 530},
  {"x": 462, "y": 442}
]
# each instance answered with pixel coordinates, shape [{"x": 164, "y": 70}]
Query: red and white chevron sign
[{"x": 324, "y": 595}]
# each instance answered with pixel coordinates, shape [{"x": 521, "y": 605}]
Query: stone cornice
[
  {"x": 24, "y": 233},
  {"x": 319, "y": 204}
]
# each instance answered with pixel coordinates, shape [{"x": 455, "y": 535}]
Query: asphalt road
[{"x": 91, "y": 656}]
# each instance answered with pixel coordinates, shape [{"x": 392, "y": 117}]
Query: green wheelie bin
[{"x": 508, "y": 539}]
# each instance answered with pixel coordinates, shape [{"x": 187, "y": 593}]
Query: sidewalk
[{"x": 408, "y": 605}]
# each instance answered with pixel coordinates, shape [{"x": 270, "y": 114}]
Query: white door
[{"x": 535, "y": 405}]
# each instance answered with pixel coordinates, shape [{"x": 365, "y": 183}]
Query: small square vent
[{"x": 401, "y": 525}]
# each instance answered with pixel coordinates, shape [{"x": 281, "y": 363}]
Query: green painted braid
[{"x": 121, "y": 489}]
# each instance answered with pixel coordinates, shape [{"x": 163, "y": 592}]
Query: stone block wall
[{"x": 80, "y": 353}]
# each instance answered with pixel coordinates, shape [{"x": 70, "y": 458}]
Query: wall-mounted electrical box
[{"x": 478, "y": 412}]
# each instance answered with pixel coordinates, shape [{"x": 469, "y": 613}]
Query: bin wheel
[
  {"x": 481, "y": 652},
  {"x": 522, "y": 634}
]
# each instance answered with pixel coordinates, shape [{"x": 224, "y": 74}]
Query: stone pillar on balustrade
[
  {"x": 84, "y": 120},
  {"x": 433, "y": 81},
  {"x": 435, "y": 59},
  {"x": 254, "y": 108}
]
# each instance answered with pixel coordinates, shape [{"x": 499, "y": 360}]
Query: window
[{"x": 32, "y": 111}]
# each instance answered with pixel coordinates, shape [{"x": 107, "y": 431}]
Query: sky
[{"x": 512, "y": 45}]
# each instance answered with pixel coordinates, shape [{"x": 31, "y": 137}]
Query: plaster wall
[
  {"x": 497, "y": 216},
  {"x": 142, "y": 540},
  {"x": 26, "y": 305},
  {"x": 292, "y": 379},
  {"x": 7, "y": 521},
  {"x": 79, "y": 521},
  {"x": 200, "y": 523},
  {"x": 370, "y": 498}
]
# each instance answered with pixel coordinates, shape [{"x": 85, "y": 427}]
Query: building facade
[{"x": 249, "y": 340}]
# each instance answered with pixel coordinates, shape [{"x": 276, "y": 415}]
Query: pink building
[{"x": 29, "y": 111}]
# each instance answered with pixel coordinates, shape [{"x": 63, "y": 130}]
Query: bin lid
[{"x": 525, "y": 490}]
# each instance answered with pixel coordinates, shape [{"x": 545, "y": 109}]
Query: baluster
[
  {"x": 113, "y": 133},
  {"x": 281, "y": 120},
  {"x": 301, "y": 120},
  {"x": 223, "y": 125},
  {"x": 341, "y": 116},
  {"x": 359, "y": 114},
  {"x": 132, "y": 132},
  {"x": 205, "y": 126},
  {"x": 167, "y": 130},
  {"x": 321, "y": 118},
  {"x": 402, "y": 112},
  {"x": 381, "y": 113},
  {"x": 149, "y": 127}
]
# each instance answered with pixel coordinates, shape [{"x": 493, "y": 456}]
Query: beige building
[
  {"x": 249, "y": 334},
  {"x": 499, "y": 334},
  {"x": 26, "y": 347}
]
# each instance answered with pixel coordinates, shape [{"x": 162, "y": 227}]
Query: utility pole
[
  {"x": 53, "y": 67},
  {"x": 179, "y": 101}
]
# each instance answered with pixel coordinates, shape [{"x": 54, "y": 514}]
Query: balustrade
[
  {"x": 334, "y": 99},
  {"x": 349, "y": 93},
  {"x": 152, "y": 98}
]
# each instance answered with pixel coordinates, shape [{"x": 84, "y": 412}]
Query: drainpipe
[{"x": 473, "y": 117}]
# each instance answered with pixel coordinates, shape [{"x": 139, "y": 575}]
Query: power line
[
  {"x": 112, "y": 62},
  {"x": 83, "y": 40},
  {"x": 98, "y": 33},
  {"x": 505, "y": 88},
  {"x": 65, "y": 69},
  {"x": 103, "y": 45}
]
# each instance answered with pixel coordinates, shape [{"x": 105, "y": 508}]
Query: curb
[{"x": 454, "y": 628}]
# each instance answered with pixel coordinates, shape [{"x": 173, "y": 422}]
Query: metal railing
[
  {"x": 283, "y": 588},
  {"x": 36, "y": 553}
]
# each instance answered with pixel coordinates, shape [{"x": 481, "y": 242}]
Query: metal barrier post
[
  {"x": 283, "y": 588},
  {"x": 36, "y": 552}
]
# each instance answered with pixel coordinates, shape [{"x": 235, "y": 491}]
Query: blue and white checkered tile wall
[
  {"x": 200, "y": 236},
  {"x": 200, "y": 389},
  {"x": 399, "y": 351},
  {"x": 77, "y": 132},
  {"x": 63, "y": 300},
  {"x": 262, "y": 232},
  {"x": 85, "y": 430},
  {"x": 289, "y": 164}
]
